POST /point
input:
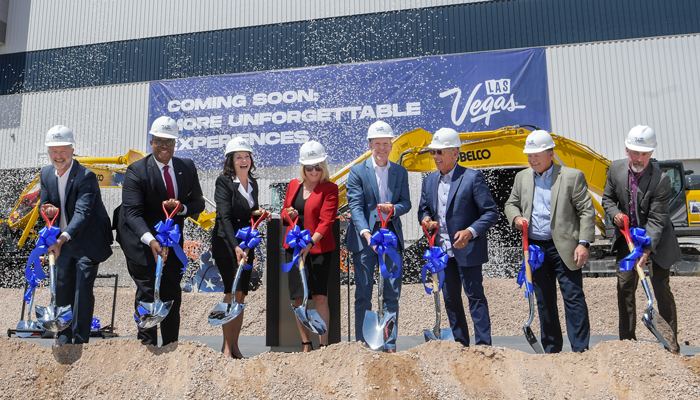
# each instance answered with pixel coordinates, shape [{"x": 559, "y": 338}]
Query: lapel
[
  {"x": 52, "y": 184},
  {"x": 156, "y": 177},
  {"x": 391, "y": 183},
  {"x": 372, "y": 178},
  {"x": 623, "y": 176},
  {"x": 71, "y": 177},
  {"x": 454, "y": 185},
  {"x": 435, "y": 177},
  {"x": 180, "y": 168},
  {"x": 644, "y": 182},
  {"x": 528, "y": 188},
  {"x": 239, "y": 197},
  {"x": 556, "y": 185}
]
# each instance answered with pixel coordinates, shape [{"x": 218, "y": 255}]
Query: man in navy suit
[
  {"x": 459, "y": 202},
  {"x": 157, "y": 180},
  {"x": 376, "y": 181},
  {"x": 86, "y": 234}
]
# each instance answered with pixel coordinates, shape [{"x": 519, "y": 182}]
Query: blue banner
[{"x": 277, "y": 111}]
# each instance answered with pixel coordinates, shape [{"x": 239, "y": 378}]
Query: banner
[{"x": 277, "y": 111}]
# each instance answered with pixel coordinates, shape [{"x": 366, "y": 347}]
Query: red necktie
[{"x": 169, "y": 182}]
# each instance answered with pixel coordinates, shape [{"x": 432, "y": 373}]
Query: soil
[{"x": 445, "y": 370}]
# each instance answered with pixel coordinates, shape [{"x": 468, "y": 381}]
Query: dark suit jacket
[
  {"x": 469, "y": 203},
  {"x": 86, "y": 216},
  {"x": 232, "y": 214},
  {"x": 143, "y": 193},
  {"x": 320, "y": 211},
  {"x": 653, "y": 196},
  {"x": 363, "y": 196}
]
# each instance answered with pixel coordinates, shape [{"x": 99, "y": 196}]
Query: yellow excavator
[{"x": 502, "y": 148}]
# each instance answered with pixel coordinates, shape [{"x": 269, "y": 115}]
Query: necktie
[{"x": 169, "y": 182}]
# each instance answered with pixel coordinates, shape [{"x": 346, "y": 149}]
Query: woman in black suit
[{"x": 236, "y": 198}]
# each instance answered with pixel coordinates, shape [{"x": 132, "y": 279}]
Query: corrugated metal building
[{"x": 611, "y": 64}]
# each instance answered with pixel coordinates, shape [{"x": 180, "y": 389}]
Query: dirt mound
[{"x": 124, "y": 368}]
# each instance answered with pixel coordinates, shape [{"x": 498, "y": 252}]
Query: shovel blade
[
  {"x": 660, "y": 329},
  {"x": 377, "y": 332},
  {"x": 54, "y": 319},
  {"x": 151, "y": 314},
  {"x": 445, "y": 334},
  {"x": 533, "y": 340},
  {"x": 223, "y": 313},
  {"x": 311, "y": 320},
  {"x": 25, "y": 325}
]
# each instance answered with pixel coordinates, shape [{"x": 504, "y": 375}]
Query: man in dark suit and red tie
[
  {"x": 72, "y": 191},
  {"x": 149, "y": 183}
]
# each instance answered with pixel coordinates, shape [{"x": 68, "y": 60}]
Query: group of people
[{"x": 455, "y": 200}]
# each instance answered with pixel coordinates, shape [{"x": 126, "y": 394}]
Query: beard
[{"x": 637, "y": 167}]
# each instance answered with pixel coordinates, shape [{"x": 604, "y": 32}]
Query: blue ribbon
[
  {"x": 47, "y": 237},
  {"x": 249, "y": 239},
  {"x": 640, "y": 239},
  {"x": 95, "y": 324},
  {"x": 535, "y": 260},
  {"x": 386, "y": 242},
  {"x": 169, "y": 236},
  {"x": 296, "y": 239},
  {"x": 437, "y": 262}
]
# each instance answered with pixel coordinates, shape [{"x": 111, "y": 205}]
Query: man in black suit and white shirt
[{"x": 149, "y": 183}]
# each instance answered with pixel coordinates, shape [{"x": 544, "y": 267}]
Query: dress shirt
[
  {"x": 62, "y": 183},
  {"x": 148, "y": 236},
  {"x": 633, "y": 187},
  {"x": 540, "y": 228},
  {"x": 443, "y": 236},
  {"x": 247, "y": 194},
  {"x": 382, "y": 174}
]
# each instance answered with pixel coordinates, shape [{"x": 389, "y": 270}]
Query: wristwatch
[{"x": 584, "y": 244}]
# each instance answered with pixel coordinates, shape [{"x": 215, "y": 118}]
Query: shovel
[
  {"x": 147, "y": 314},
  {"x": 436, "y": 333},
  {"x": 53, "y": 318},
  {"x": 27, "y": 324},
  {"x": 530, "y": 295},
  {"x": 309, "y": 318},
  {"x": 223, "y": 312},
  {"x": 651, "y": 319},
  {"x": 378, "y": 327}
]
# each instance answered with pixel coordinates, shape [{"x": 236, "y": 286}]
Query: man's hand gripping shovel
[
  {"x": 223, "y": 312},
  {"x": 53, "y": 318},
  {"x": 651, "y": 319},
  {"x": 529, "y": 294},
  {"x": 437, "y": 261},
  {"x": 378, "y": 327},
  {"x": 151, "y": 314},
  {"x": 309, "y": 318}
]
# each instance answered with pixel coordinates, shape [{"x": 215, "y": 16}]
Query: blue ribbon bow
[
  {"x": 535, "y": 260},
  {"x": 386, "y": 242},
  {"x": 95, "y": 324},
  {"x": 47, "y": 237},
  {"x": 249, "y": 239},
  {"x": 296, "y": 239},
  {"x": 437, "y": 262},
  {"x": 169, "y": 236},
  {"x": 640, "y": 239}
]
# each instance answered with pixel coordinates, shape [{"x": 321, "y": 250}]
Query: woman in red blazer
[{"x": 313, "y": 198}]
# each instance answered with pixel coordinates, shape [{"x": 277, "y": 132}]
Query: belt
[
  {"x": 535, "y": 241},
  {"x": 378, "y": 225}
]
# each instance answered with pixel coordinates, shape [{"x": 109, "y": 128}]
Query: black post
[
  {"x": 272, "y": 271},
  {"x": 334, "y": 289}
]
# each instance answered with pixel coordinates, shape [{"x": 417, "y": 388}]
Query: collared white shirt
[
  {"x": 443, "y": 236},
  {"x": 247, "y": 194},
  {"x": 62, "y": 183},
  {"x": 540, "y": 222}
]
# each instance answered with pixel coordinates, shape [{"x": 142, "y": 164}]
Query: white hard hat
[
  {"x": 59, "y": 135},
  {"x": 641, "y": 138},
  {"x": 445, "y": 138},
  {"x": 538, "y": 141},
  {"x": 165, "y": 127},
  {"x": 312, "y": 152},
  {"x": 380, "y": 129},
  {"x": 238, "y": 144}
]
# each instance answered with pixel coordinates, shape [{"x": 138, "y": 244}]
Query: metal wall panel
[
  {"x": 66, "y": 23},
  {"x": 599, "y": 91}
]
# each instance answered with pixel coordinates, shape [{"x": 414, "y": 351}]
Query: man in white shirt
[
  {"x": 86, "y": 234},
  {"x": 376, "y": 181}
]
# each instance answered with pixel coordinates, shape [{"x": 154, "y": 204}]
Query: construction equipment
[{"x": 503, "y": 148}]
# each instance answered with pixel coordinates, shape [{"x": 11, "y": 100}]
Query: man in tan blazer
[{"x": 556, "y": 202}]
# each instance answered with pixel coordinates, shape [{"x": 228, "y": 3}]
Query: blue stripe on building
[{"x": 463, "y": 28}]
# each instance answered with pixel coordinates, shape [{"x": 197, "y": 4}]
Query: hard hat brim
[
  {"x": 534, "y": 151},
  {"x": 237, "y": 150},
  {"x": 163, "y": 135},
  {"x": 442, "y": 146},
  {"x": 313, "y": 160},
  {"x": 640, "y": 148},
  {"x": 387, "y": 136},
  {"x": 55, "y": 144}
]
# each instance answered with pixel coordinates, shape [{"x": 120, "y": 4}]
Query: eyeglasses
[
  {"x": 166, "y": 142},
  {"x": 316, "y": 167},
  {"x": 438, "y": 152}
]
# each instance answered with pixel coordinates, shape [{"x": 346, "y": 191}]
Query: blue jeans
[
  {"x": 471, "y": 279},
  {"x": 365, "y": 262},
  {"x": 75, "y": 279},
  {"x": 544, "y": 280}
]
